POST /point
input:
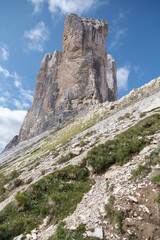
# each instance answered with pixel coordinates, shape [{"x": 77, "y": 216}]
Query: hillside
[{"x": 99, "y": 173}]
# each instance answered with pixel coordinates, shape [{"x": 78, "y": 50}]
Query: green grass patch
[
  {"x": 154, "y": 157},
  {"x": 18, "y": 182},
  {"x": 140, "y": 171},
  {"x": 62, "y": 233},
  {"x": 67, "y": 132},
  {"x": 121, "y": 149},
  {"x": 142, "y": 114},
  {"x": 4, "y": 179},
  {"x": 89, "y": 134},
  {"x": 60, "y": 136},
  {"x": 83, "y": 143},
  {"x": 127, "y": 115},
  {"x": 66, "y": 158},
  {"x": 156, "y": 179},
  {"x": 157, "y": 199},
  {"x": 112, "y": 215},
  {"x": 56, "y": 196}
]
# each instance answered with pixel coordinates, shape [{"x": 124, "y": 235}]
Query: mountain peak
[{"x": 71, "y": 81}]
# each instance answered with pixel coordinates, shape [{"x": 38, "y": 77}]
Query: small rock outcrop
[
  {"x": 12, "y": 143},
  {"x": 74, "y": 79}
]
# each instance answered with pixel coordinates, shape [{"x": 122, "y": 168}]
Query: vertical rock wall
[{"x": 71, "y": 81}]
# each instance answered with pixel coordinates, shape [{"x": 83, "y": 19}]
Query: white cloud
[
  {"x": 4, "y": 53},
  {"x": 117, "y": 40},
  {"x": 3, "y": 100},
  {"x": 122, "y": 77},
  {"x": 17, "y": 80},
  {"x": 37, "y": 5},
  {"x": 138, "y": 71},
  {"x": 6, "y": 94},
  {"x": 67, "y": 6},
  {"x": 5, "y": 72},
  {"x": 20, "y": 105},
  {"x": 17, "y": 83},
  {"x": 10, "y": 123},
  {"x": 8, "y": 74},
  {"x": 25, "y": 96},
  {"x": 37, "y": 37},
  {"x": 17, "y": 104},
  {"x": 118, "y": 29}
]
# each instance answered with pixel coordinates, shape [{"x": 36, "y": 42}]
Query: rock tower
[{"x": 74, "y": 79}]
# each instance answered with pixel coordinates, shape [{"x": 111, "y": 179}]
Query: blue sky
[{"x": 31, "y": 28}]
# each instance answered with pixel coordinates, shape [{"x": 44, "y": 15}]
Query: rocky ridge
[
  {"x": 103, "y": 122},
  {"x": 73, "y": 80}
]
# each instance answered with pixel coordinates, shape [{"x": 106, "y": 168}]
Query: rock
[
  {"x": 73, "y": 228},
  {"x": 34, "y": 231},
  {"x": 28, "y": 236},
  {"x": 19, "y": 237},
  {"x": 107, "y": 199},
  {"x": 71, "y": 81},
  {"x": 77, "y": 151},
  {"x": 111, "y": 78},
  {"x": 45, "y": 222},
  {"x": 12, "y": 143},
  {"x": 98, "y": 233},
  {"x": 135, "y": 214},
  {"x": 144, "y": 208},
  {"x": 34, "y": 236},
  {"x": 133, "y": 199},
  {"x": 29, "y": 180}
]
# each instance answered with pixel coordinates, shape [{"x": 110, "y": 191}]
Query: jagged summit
[{"x": 70, "y": 81}]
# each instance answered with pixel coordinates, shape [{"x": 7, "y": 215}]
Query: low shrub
[
  {"x": 83, "y": 143},
  {"x": 118, "y": 218},
  {"x": 18, "y": 182},
  {"x": 111, "y": 199},
  {"x": 55, "y": 195},
  {"x": 156, "y": 179},
  {"x": 154, "y": 157},
  {"x": 141, "y": 171},
  {"x": 114, "y": 217},
  {"x": 62, "y": 233},
  {"x": 142, "y": 114},
  {"x": 127, "y": 115},
  {"x": 157, "y": 199},
  {"x": 14, "y": 174},
  {"x": 89, "y": 134},
  {"x": 66, "y": 158},
  {"x": 23, "y": 200},
  {"x": 2, "y": 190},
  {"x": 121, "y": 149},
  {"x": 7, "y": 179}
]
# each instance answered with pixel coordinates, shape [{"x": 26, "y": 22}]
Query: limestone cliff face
[
  {"x": 111, "y": 79},
  {"x": 69, "y": 82}
]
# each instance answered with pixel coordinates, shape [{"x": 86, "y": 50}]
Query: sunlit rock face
[{"x": 72, "y": 80}]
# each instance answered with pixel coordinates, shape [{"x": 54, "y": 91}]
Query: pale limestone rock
[
  {"x": 28, "y": 236},
  {"x": 20, "y": 237},
  {"x": 77, "y": 151},
  {"x": 111, "y": 78},
  {"x": 98, "y": 232},
  {"x": 107, "y": 199},
  {"x": 71, "y": 81},
  {"x": 133, "y": 199}
]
